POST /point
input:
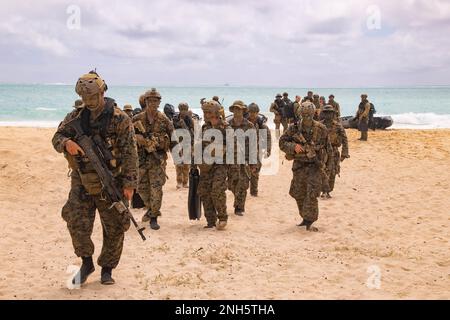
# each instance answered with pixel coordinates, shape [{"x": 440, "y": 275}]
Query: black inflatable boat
[{"x": 351, "y": 122}]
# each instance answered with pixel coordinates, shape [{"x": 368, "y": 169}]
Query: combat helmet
[
  {"x": 238, "y": 104},
  {"x": 211, "y": 106},
  {"x": 253, "y": 107},
  {"x": 152, "y": 93},
  {"x": 307, "y": 108},
  {"x": 328, "y": 108},
  {"x": 183, "y": 106},
  {"x": 90, "y": 83}
]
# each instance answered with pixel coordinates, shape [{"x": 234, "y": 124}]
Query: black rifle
[{"x": 98, "y": 155}]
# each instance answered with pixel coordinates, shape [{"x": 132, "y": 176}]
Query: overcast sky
[{"x": 291, "y": 43}]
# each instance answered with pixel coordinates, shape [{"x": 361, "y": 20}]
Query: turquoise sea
[{"x": 40, "y": 105}]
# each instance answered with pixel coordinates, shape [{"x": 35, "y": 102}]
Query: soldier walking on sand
[
  {"x": 153, "y": 136},
  {"x": 305, "y": 142},
  {"x": 239, "y": 173},
  {"x": 277, "y": 109},
  {"x": 101, "y": 118},
  {"x": 183, "y": 120},
  {"x": 258, "y": 122},
  {"x": 213, "y": 175},
  {"x": 337, "y": 138}
]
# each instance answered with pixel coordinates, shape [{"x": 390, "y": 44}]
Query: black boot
[
  {"x": 87, "y": 267},
  {"x": 210, "y": 225},
  {"x": 302, "y": 224},
  {"x": 106, "y": 278},
  {"x": 310, "y": 227},
  {"x": 238, "y": 212},
  {"x": 154, "y": 223}
]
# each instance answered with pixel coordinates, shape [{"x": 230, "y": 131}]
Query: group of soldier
[
  {"x": 286, "y": 111},
  {"x": 140, "y": 142}
]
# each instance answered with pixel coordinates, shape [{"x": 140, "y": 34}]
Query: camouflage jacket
[
  {"x": 118, "y": 135},
  {"x": 337, "y": 136},
  {"x": 262, "y": 126},
  {"x": 276, "y": 109},
  {"x": 314, "y": 142},
  {"x": 244, "y": 126},
  {"x": 336, "y": 107},
  {"x": 205, "y": 142},
  {"x": 363, "y": 110},
  {"x": 156, "y": 138}
]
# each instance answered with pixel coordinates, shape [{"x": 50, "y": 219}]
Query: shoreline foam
[{"x": 419, "y": 121}]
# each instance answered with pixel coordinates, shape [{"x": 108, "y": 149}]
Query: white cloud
[{"x": 246, "y": 42}]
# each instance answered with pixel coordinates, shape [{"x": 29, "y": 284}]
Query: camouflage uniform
[
  {"x": 306, "y": 184},
  {"x": 212, "y": 185},
  {"x": 153, "y": 159},
  {"x": 337, "y": 138},
  {"x": 128, "y": 109},
  {"x": 259, "y": 125},
  {"x": 316, "y": 102},
  {"x": 309, "y": 97},
  {"x": 363, "y": 117},
  {"x": 179, "y": 122},
  {"x": 239, "y": 174},
  {"x": 336, "y": 107},
  {"x": 276, "y": 109},
  {"x": 115, "y": 128}
]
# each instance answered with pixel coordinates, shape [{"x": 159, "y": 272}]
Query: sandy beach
[{"x": 390, "y": 213}]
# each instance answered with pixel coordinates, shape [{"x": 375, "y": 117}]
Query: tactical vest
[{"x": 105, "y": 137}]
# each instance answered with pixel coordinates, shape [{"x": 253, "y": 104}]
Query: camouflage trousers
[
  {"x": 79, "y": 214},
  {"x": 280, "y": 120},
  {"x": 332, "y": 168},
  {"x": 182, "y": 173},
  {"x": 211, "y": 189},
  {"x": 151, "y": 182},
  {"x": 238, "y": 184},
  {"x": 363, "y": 125},
  {"x": 305, "y": 189},
  {"x": 254, "y": 179}
]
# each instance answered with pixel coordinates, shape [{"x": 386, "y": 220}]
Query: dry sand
[{"x": 390, "y": 212}]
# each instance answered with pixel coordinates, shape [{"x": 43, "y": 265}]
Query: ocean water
[{"x": 46, "y": 105}]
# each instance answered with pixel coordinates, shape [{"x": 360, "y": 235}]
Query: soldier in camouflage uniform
[
  {"x": 99, "y": 116},
  {"x": 362, "y": 115},
  {"x": 306, "y": 142},
  {"x": 335, "y": 105},
  {"x": 277, "y": 108},
  {"x": 337, "y": 138},
  {"x": 213, "y": 177},
  {"x": 239, "y": 174},
  {"x": 297, "y": 104},
  {"x": 309, "y": 97},
  {"x": 128, "y": 109},
  {"x": 153, "y": 135},
  {"x": 322, "y": 102},
  {"x": 253, "y": 117},
  {"x": 78, "y": 104},
  {"x": 216, "y": 99},
  {"x": 316, "y": 102},
  {"x": 183, "y": 120}
]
